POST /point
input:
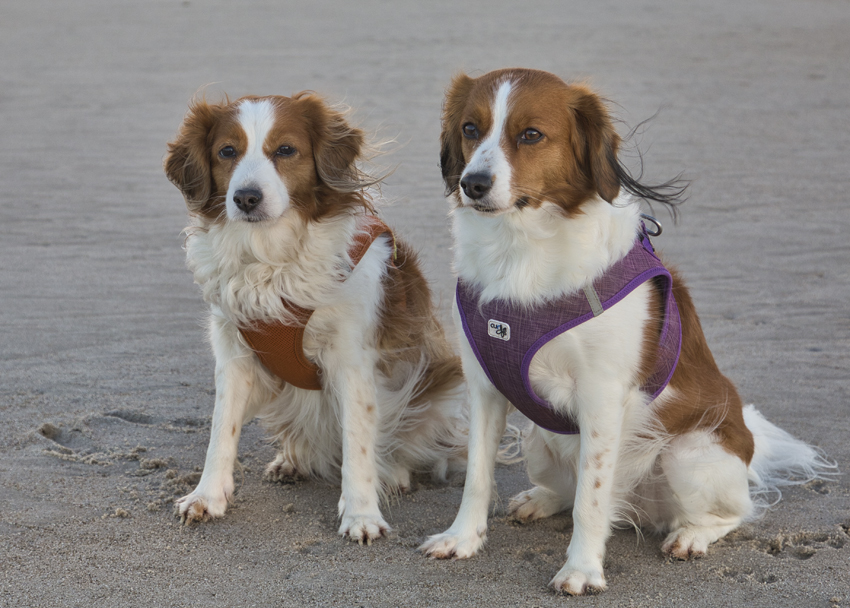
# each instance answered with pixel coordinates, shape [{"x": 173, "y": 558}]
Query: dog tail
[{"x": 780, "y": 460}]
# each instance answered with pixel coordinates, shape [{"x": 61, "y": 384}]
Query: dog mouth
[
  {"x": 252, "y": 218},
  {"x": 520, "y": 203},
  {"x": 483, "y": 208}
]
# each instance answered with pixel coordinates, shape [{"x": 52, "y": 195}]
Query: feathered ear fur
[
  {"x": 596, "y": 143},
  {"x": 451, "y": 153},
  {"x": 187, "y": 163},
  {"x": 336, "y": 144}
]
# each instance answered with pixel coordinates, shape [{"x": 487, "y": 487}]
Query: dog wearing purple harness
[{"x": 568, "y": 315}]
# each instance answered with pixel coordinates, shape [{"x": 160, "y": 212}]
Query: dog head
[
  {"x": 256, "y": 158},
  {"x": 516, "y": 138}
]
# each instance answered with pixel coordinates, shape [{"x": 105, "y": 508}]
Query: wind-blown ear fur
[
  {"x": 336, "y": 145},
  {"x": 596, "y": 144},
  {"x": 187, "y": 163},
  {"x": 451, "y": 152}
]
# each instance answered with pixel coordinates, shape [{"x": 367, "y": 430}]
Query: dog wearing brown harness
[{"x": 321, "y": 322}]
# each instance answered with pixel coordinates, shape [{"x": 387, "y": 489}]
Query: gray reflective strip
[{"x": 593, "y": 300}]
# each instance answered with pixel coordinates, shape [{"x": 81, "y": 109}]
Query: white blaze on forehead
[
  {"x": 254, "y": 169},
  {"x": 256, "y": 119},
  {"x": 500, "y": 112},
  {"x": 489, "y": 157}
]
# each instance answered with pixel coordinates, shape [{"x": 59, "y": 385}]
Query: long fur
[
  {"x": 780, "y": 460},
  {"x": 541, "y": 208},
  {"x": 389, "y": 402}
]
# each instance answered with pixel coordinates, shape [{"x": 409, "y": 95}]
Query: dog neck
[
  {"x": 530, "y": 255},
  {"x": 244, "y": 269}
]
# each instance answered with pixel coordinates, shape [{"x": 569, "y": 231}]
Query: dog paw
[
  {"x": 578, "y": 581},
  {"x": 687, "y": 543},
  {"x": 199, "y": 507},
  {"x": 282, "y": 471},
  {"x": 401, "y": 479},
  {"x": 450, "y": 545},
  {"x": 363, "y": 528},
  {"x": 536, "y": 503}
]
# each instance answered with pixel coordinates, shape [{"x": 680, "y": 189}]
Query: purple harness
[{"x": 505, "y": 338}]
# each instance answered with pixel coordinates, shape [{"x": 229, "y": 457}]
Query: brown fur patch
[
  {"x": 412, "y": 331},
  {"x": 452, "y": 161},
  {"x": 704, "y": 397},
  {"x": 188, "y": 161}
]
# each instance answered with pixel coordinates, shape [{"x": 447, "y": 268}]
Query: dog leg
[
  {"x": 235, "y": 403},
  {"x": 601, "y": 420},
  {"x": 353, "y": 382},
  {"x": 709, "y": 494},
  {"x": 488, "y": 417}
]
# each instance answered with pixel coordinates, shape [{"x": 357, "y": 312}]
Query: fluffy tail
[{"x": 780, "y": 460}]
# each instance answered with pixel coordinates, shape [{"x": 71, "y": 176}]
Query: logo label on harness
[{"x": 498, "y": 329}]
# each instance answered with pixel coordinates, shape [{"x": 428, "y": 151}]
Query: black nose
[
  {"x": 476, "y": 185},
  {"x": 247, "y": 199}
]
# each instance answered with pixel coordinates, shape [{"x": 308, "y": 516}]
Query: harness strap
[{"x": 280, "y": 347}]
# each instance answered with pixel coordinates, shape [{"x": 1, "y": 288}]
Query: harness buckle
[{"x": 658, "y": 227}]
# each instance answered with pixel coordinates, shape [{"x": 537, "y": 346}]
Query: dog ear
[
  {"x": 187, "y": 163},
  {"x": 597, "y": 144},
  {"x": 451, "y": 152},
  {"x": 336, "y": 145}
]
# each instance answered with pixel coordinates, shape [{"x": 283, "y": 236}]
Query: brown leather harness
[{"x": 280, "y": 347}]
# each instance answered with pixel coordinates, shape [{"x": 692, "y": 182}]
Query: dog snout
[
  {"x": 476, "y": 185},
  {"x": 247, "y": 199}
]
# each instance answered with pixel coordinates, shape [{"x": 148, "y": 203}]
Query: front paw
[
  {"x": 363, "y": 528},
  {"x": 450, "y": 544},
  {"x": 578, "y": 581},
  {"x": 199, "y": 506}
]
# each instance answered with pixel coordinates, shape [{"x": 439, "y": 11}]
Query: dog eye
[
  {"x": 530, "y": 136},
  {"x": 227, "y": 152},
  {"x": 285, "y": 151},
  {"x": 470, "y": 131}
]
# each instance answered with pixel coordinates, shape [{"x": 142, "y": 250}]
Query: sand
[{"x": 106, "y": 387}]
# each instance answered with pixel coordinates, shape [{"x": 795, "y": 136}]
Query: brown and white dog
[
  {"x": 277, "y": 205},
  {"x": 542, "y": 207}
]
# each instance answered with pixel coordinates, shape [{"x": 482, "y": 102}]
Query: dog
[
  {"x": 545, "y": 220},
  {"x": 320, "y": 321}
]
